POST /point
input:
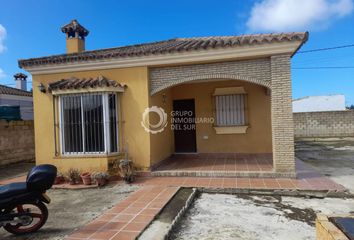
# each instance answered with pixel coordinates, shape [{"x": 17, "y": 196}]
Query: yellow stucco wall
[
  {"x": 75, "y": 45},
  {"x": 148, "y": 149},
  {"x": 133, "y": 102},
  {"x": 162, "y": 144},
  {"x": 257, "y": 139}
]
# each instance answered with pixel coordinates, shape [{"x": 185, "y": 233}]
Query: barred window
[
  {"x": 89, "y": 123},
  {"x": 230, "y": 110}
]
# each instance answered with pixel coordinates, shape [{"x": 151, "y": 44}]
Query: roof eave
[
  {"x": 14, "y": 96},
  {"x": 242, "y": 52},
  {"x": 119, "y": 89},
  {"x": 303, "y": 41}
]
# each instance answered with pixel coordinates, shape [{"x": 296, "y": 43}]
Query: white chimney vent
[{"x": 21, "y": 81}]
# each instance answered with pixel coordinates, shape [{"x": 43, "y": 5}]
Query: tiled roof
[
  {"x": 14, "y": 91},
  {"x": 76, "y": 83},
  {"x": 175, "y": 45}
]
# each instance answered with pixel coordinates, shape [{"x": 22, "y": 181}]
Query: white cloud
[
  {"x": 292, "y": 15},
  {"x": 2, "y": 74},
  {"x": 2, "y": 38}
]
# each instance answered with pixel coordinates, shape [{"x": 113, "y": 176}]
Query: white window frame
[{"x": 106, "y": 132}]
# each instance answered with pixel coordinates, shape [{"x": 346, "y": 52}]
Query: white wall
[
  {"x": 319, "y": 103},
  {"x": 25, "y": 103}
]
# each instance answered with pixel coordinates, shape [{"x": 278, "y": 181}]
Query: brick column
[{"x": 282, "y": 116}]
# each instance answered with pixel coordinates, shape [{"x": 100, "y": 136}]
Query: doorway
[{"x": 184, "y": 126}]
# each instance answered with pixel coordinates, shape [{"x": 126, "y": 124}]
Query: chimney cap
[
  {"x": 20, "y": 76},
  {"x": 75, "y": 29}
]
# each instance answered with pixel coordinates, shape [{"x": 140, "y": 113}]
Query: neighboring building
[
  {"x": 90, "y": 104},
  {"x": 18, "y": 96},
  {"x": 319, "y": 103}
]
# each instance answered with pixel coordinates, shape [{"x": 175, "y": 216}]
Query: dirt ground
[
  {"x": 332, "y": 157},
  {"x": 71, "y": 209},
  {"x": 223, "y": 216}
]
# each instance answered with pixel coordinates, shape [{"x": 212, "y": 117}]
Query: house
[
  {"x": 203, "y": 95},
  {"x": 18, "y": 97},
  {"x": 320, "y": 103}
]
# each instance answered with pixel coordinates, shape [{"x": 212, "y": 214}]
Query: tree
[{"x": 351, "y": 107}]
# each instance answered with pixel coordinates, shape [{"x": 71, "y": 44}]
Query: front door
[{"x": 184, "y": 126}]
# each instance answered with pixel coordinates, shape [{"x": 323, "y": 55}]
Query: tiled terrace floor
[
  {"x": 307, "y": 179},
  {"x": 312, "y": 184},
  {"x": 218, "y": 162}
]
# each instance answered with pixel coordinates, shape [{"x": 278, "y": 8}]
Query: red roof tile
[
  {"x": 14, "y": 91},
  {"x": 175, "y": 45},
  {"x": 76, "y": 83}
]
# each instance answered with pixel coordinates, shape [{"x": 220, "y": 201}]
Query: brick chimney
[
  {"x": 75, "y": 36},
  {"x": 21, "y": 81}
]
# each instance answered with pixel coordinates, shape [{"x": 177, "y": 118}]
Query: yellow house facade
[{"x": 150, "y": 101}]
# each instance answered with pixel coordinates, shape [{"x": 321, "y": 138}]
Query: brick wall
[
  {"x": 326, "y": 230},
  {"x": 256, "y": 70},
  {"x": 282, "y": 117},
  {"x": 16, "y": 141},
  {"x": 324, "y": 124}
]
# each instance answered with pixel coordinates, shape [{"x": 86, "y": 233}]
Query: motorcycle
[{"x": 22, "y": 205}]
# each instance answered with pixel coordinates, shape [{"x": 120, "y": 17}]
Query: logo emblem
[{"x": 162, "y": 120}]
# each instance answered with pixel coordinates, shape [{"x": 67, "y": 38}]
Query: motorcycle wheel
[{"x": 37, "y": 211}]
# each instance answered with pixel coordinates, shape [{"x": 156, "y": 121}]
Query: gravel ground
[
  {"x": 332, "y": 157},
  {"x": 222, "y": 216},
  {"x": 71, "y": 209}
]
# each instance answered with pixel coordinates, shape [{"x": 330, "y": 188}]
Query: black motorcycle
[{"x": 22, "y": 208}]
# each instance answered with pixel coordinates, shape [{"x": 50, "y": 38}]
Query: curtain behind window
[
  {"x": 72, "y": 124},
  {"x": 93, "y": 123}
]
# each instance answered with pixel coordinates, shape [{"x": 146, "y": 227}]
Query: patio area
[
  {"x": 131, "y": 217},
  {"x": 125, "y": 214},
  {"x": 308, "y": 179},
  {"x": 216, "y": 165}
]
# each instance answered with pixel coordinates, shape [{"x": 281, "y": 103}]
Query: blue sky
[{"x": 31, "y": 28}]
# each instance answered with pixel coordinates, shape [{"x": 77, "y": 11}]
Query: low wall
[
  {"x": 325, "y": 230},
  {"x": 324, "y": 124},
  {"x": 16, "y": 141}
]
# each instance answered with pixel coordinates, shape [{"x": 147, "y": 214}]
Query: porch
[
  {"x": 217, "y": 165},
  {"x": 238, "y": 143},
  {"x": 251, "y": 134}
]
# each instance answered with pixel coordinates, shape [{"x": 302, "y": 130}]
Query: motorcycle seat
[{"x": 12, "y": 189}]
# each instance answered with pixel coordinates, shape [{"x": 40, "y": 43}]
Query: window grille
[
  {"x": 89, "y": 123},
  {"x": 230, "y": 110}
]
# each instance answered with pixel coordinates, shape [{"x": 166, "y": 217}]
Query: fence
[
  {"x": 324, "y": 124},
  {"x": 16, "y": 141}
]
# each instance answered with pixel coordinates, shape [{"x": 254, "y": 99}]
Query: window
[
  {"x": 230, "y": 110},
  {"x": 89, "y": 123}
]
